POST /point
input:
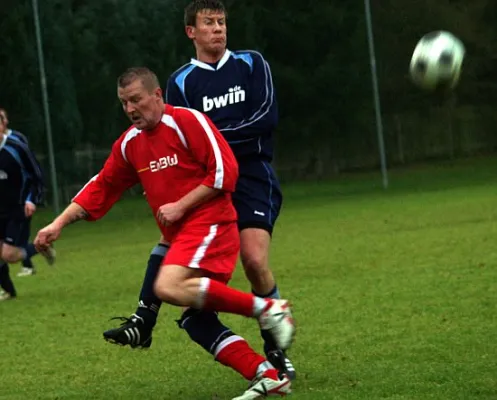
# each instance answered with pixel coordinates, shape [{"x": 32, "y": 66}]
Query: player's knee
[
  {"x": 254, "y": 249},
  {"x": 10, "y": 254},
  {"x": 165, "y": 291},
  {"x": 254, "y": 259}
]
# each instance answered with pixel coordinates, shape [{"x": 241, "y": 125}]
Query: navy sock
[
  {"x": 269, "y": 344},
  {"x": 29, "y": 251},
  {"x": 5, "y": 281},
  {"x": 27, "y": 263},
  {"x": 149, "y": 304},
  {"x": 204, "y": 328},
  {"x": 273, "y": 294}
]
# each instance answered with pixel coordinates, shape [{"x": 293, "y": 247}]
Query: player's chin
[
  {"x": 218, "y": 46},
  {"x": 140, "y": 123}
]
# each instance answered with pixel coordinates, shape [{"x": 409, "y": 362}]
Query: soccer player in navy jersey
[
  {"x": 29, "y": 206},
  {"x": 235, "y": 89},
  {"x": 19, "y": 176}
]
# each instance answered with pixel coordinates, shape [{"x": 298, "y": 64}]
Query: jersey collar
[
  {"x": 2, "y": 142},
  {"x": 208, "y": 67}
]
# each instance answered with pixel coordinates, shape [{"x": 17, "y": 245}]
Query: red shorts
[{"x": 212, "y": 249}]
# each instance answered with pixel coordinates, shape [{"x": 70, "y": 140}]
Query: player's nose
[{"x": 129, "y": 108}]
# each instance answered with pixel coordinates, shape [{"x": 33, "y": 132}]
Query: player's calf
[{"x": 229, "y": 349}]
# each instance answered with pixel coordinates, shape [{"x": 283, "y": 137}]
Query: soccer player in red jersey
[{"x": 188, "y": 172}]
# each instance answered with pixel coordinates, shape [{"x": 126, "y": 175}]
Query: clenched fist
[
  {"x": 169, "y": 213},
  {"x": 46, "y": 237}
]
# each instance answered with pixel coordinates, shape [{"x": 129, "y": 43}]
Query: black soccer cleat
[
  {"x": 132, "y": 332},
  {"x": 282, "y": 363}
]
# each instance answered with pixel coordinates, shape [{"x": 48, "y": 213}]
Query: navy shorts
[
  {"x": 15, "y": 230},
  {"x": 257, "y": 197}
]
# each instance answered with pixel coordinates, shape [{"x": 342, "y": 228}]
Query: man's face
[
  {"x": 209, "y": 34},
  {"x": 143, "y": 108},
  {"x": 3, "y": 116},
  {"x": 3, "y": 127}
]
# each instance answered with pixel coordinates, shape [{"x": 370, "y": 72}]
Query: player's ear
[
  {"x": 190, "y": 31},
  {"x": 158, "y": 93}
]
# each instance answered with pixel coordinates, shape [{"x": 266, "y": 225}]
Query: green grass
[{"x": 394, "y": 292}]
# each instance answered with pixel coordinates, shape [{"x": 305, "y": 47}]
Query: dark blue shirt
[
  {"x": 17, "y": 135},
  {"x": 237, "y": 94},
  {"x": 20, "y": 176}
]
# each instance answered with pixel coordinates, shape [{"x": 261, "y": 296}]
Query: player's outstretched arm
[{"x": 49, "y": 234}]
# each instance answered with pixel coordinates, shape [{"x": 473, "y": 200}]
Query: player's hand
[
  {"x": 169, "y": 213},
  {"x": 46, "y": 237},
  {"x": 29, "y": 209}
]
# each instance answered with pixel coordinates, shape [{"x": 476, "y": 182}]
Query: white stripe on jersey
[
  {"x": 83, "y": 188},
  {"x": 130, "y": 135},
  {"x": 200, "y": 253},
  {"x": 170, "y": 122},
  {"x": 219, "y": 176}
]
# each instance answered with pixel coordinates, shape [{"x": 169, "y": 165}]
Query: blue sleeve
[
  {"x": 174, "y": 96},
  {"x": 263, "y": 115},
  {"x": 20, "y": 136},
  {"x": 34, "y": 171}
]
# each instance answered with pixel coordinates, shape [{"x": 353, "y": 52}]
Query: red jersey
[{"x": 183, "y": 151}]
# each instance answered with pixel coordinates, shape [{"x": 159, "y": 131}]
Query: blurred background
[{"x": 320, "y": 61}]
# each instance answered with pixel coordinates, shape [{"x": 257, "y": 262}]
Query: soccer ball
[{"x": 437, "y": 60}]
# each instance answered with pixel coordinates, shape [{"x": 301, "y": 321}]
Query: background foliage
[{"x": 320, "y": 61}]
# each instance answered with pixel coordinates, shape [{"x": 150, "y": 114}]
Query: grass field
[{"x": 394, "y": 292}]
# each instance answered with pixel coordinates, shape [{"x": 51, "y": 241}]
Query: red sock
[
  {"x": 222, "y": 298},
  {"x": 241, "y": 357}
]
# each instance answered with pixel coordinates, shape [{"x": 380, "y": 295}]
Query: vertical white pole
[
  {"x": 46, "y": 108},
  {"x": 376, "y": 95}
]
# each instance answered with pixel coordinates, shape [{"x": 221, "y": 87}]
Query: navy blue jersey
[
  {"x": 17, "y": 135},
  {"x": 237, "y": 94},
  {"x": 20, "y": 176}
]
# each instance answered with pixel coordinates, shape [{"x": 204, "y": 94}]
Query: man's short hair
[
  {"x": 196, "y": 6},
  {"x": 148, "y": 78}
]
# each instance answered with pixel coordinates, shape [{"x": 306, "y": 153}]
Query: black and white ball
[{"x": 437, "y": 61}]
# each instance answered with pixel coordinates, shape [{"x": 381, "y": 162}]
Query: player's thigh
[
  {"x": 211, "y": 251},
  {"x": 175, "y": 275},
  {"x": 257, "y": 198}
]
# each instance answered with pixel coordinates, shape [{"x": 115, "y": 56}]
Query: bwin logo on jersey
[
  {"x": 234, "y": 95},
  {"x": 163, "y": 163}
]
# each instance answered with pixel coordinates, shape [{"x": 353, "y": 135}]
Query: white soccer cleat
[
  {"x": 6, "y": 296},
  {"x": 50, "y": 255},
  {"x": 277, "y": 319},
  {"x": 267, "y": 384},
  {"x": 26, "y": 271}
]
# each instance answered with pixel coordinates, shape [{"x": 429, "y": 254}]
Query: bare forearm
[
  {"x": 198, "y": 196},
  {"x": 73, "y": 213}
]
